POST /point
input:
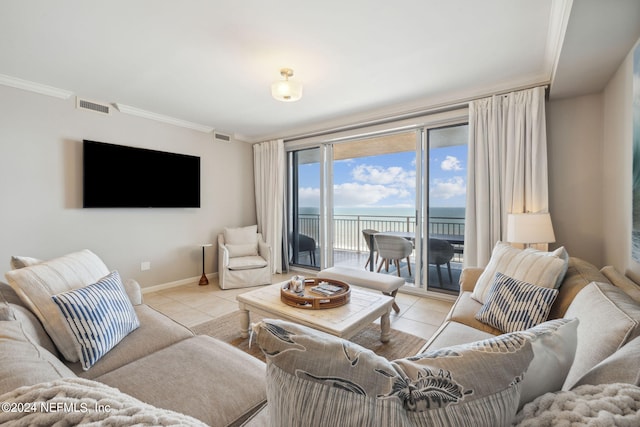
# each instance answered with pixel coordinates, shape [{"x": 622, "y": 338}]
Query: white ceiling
[{"x": 212, "y": 62}]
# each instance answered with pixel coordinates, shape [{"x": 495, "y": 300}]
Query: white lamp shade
[
  {"x": 286, "y": 90},
  {"x": 530, "y": 228}
]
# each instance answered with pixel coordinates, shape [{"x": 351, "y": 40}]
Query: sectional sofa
[
  {"x": 581, "y": 353},
  {"x": 157, "y": 373},
  {"x": 535, "y": 339}
]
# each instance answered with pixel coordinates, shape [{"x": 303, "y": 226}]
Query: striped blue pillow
[
  {"x": 99, "y": 315},
  {"x": 513, "y": 305}
]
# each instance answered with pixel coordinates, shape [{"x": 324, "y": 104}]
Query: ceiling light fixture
[{"x": 286, "y": 90}]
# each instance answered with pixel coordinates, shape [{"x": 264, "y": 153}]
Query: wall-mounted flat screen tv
[{"x": 117, "y": 176}]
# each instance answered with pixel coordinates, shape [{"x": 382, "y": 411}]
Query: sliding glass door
[{"x": 408, "y": 184}]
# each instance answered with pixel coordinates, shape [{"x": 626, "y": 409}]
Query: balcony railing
[{"x": 348, "y": 229}]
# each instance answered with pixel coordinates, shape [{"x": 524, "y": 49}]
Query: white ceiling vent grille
[
  {"x": 222, "y": 137},
  {"x": 96, "y": 107}
]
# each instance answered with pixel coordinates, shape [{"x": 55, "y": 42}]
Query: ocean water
[{"x": 445, "y": 212}]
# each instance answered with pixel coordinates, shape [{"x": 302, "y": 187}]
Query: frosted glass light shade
[
  {"x": 530, "y": 228},
  {"x": 286, "y": 90}
]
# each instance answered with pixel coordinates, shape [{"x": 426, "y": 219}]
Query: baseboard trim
[{"x": 175, "y": 284}]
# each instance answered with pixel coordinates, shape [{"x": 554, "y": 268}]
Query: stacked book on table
[{"x": 326, "y": 289}]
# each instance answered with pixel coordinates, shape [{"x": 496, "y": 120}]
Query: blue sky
[{"x": 389, "y": 180}]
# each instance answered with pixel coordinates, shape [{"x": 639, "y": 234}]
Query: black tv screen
[{"x": 117, "y": 176}]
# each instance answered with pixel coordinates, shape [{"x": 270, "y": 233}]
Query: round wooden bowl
[{"x": 312, "y": 301}]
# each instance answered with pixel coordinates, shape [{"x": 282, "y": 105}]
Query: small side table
[{"x": 203, "y": 278}]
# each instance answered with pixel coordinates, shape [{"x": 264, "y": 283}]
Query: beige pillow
[
  {"x": 609, "y": 318},
  {"x": 35, "y": 285},
  {"x": 623, "y": 366},
  {"x": 245, "y": 249},
  {"x": 529, "y": 265},
  {"x": 241, "y": 235},
  {"x": 623, "y": 282}
]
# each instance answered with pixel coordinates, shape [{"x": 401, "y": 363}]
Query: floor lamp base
[{"x": 203, "y": 280}]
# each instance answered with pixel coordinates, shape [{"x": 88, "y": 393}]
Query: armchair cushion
[
  {"x": 242, "y": 250},
  {"x": 247, "y": 262},
  {"x": 241, "y": 235}
]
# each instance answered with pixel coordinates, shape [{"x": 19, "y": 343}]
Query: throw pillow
[
  {"x": 623, "y": 366},
  {"x": 609, "y": 318},
  {"x": 23, "y": 261},
  {"x": 529, "y": 265},
  {"x": 99, "y": 315},
  {"x": 245, "y": 249},
  {"x": 36, "y": 284},
  {"x": 513, "y": 305},
  {"x": 479, "y": 381},
  {"x": 241, "y": 235},
  {"x": 554, "y": 348}
]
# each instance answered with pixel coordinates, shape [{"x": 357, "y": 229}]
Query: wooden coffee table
[{"x": 344, "y": 321}]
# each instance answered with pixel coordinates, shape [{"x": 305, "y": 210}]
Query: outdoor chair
[
  {"x": 393, "y": 248},
  {"x": 367, "y": 234},
  {"x": 441, "y": 252}
]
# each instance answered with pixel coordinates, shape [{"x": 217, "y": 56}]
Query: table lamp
[{"x": 530, "y": 228}]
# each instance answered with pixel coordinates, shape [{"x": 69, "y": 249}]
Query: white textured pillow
[
  {"x": 609, "y": 318},
  {"x": 554, "y": 349},
  {"x": 99, "y": 316},
  {"x": 245, "y": 249},
  {"x": 531, "y": 266},
  {"x": 36, "y": 285},
  {"x": 241, "y": 235},
  {"x": 513, "y": 305}
]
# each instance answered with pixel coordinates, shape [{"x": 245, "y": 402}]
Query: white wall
[
  {"x": 41, "y": 190},
  {"x": 574, "y": 138},
  {"x": 617, "y": 169}
]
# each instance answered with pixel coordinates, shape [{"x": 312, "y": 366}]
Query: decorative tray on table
[{"x": 317, "y": 293}]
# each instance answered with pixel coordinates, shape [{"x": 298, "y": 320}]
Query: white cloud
[
  {"x": 392, "y": 175},
  {"x": 308, "y": 196},
  {"x": 448, "y": 188},
  {"x": 356, "y": 194},
  {"x": 451, "y": 163}
]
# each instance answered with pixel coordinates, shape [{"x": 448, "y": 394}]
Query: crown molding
[
  {"x": 34, "y": 87},
  {"x": 126, "y": 109},
  {"x": 558, "y": 23}
]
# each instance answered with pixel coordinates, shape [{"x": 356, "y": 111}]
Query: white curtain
[
  {"x": 507, "y": 167},
  {"x": 269, "y": 174}
]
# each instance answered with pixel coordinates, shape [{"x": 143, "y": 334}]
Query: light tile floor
[{"x": 192, "y": 304}]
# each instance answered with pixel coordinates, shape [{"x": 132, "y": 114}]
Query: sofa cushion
[
  {"x": 609, "y": 318},
  {"x": 554, "y": 347},
  {"x": 6, "y": 312},
  {"x": 623, "y": 282},
  {"x": 539, "y": 268},
  {"x": 23, "y": 261},
  {"x": 454, "y": 333},
  {"x": 480, "y": 381},
  {"x": 23, "y": 362},
  {"x": 99, "y": 316},
  {"x": 35, "y": 285},
  {"x": 513, "y": 305},
  {"x": 579, "y": 274},
  {"x": 623, "y": 366},
  {"x": 224, "y": 385},
  {"x": 464, "y": 311},
  {"x": 156, "y": 332}
]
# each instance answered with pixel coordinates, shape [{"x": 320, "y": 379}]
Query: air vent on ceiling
[
  {"x": 222, "y": 137},
  {"x": 96, "y": 107}
]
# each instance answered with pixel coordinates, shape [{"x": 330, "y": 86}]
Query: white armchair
[{"x": 244, "y": 259}]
